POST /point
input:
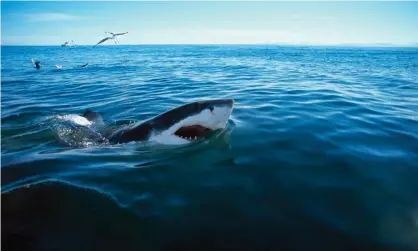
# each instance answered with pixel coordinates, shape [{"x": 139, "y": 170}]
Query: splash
[
  {"x": 76, "y": 119},
  {"x": 74, "y": 130}
]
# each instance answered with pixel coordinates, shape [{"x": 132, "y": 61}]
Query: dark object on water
[
  {"x": 92, "y": 116},
  {"x": 83, "y": 65},
  {"x": 181, "y": 125},
  {"x": 37, "y": 64}
]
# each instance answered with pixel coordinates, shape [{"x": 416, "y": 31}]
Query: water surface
[{"x": 321, "y": 150}]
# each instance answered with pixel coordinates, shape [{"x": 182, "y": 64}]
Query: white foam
[{"x": 77, "y": 119}]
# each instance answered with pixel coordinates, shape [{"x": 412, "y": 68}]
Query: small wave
[
  {"x": 16, "y": 81},
  {"x": 311, "y": 122}
]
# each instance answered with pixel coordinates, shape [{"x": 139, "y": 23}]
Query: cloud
[{"x": 45, "y": 17}]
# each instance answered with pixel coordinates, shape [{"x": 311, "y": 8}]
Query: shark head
[{"x": 191, "y": 122}]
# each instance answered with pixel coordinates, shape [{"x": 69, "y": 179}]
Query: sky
[{"x": 307, "y": 23}]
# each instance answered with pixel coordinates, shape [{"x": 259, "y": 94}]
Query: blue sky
[{"x": 52, "y": 23}]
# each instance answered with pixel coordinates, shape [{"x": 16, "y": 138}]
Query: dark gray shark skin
[{"x": 142, "y": 131}]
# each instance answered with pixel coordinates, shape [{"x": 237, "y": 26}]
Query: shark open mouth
[{"x": 193, "y": 132}]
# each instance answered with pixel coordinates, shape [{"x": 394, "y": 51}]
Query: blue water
[{"x": 321, "y": 151}]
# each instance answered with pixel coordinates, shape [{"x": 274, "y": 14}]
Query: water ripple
[{"x": 324, "y": 144}]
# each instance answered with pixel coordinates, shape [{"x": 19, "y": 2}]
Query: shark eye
[{"x": 211, "y": 108}]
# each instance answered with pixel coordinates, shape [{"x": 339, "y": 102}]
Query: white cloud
[{"x": 42, "y": 17}]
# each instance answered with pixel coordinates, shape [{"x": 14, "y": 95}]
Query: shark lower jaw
[{"x": 192, "y": 132}]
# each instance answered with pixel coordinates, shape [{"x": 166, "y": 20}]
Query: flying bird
[
  {"x": 103, "y": 40},
  {"x": 114, "y": 37}
]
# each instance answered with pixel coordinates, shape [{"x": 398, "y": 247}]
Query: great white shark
[{"x": 181, "y": 125}]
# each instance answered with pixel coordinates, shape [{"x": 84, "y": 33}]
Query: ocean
[{"x": 320, "y": 152}]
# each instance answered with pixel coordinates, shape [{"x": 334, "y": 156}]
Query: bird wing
[
  {"x": 103, "y": 40},
  {"x": 119, "y": 34}
]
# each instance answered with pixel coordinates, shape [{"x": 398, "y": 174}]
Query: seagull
[
  {"x": 114, "y": 37},
  {"x": 103, "y": 40}
]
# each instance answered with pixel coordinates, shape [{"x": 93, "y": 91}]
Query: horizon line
[{"x": 217, "y": 44}]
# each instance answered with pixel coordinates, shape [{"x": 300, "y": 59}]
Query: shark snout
[
  {"x": 220, "y": 103},
  {"x": 220, "y": 111},
  {"x": 228, "y": 102}
]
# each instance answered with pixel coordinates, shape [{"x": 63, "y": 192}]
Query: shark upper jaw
[{"x": 198, "y": 126}]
